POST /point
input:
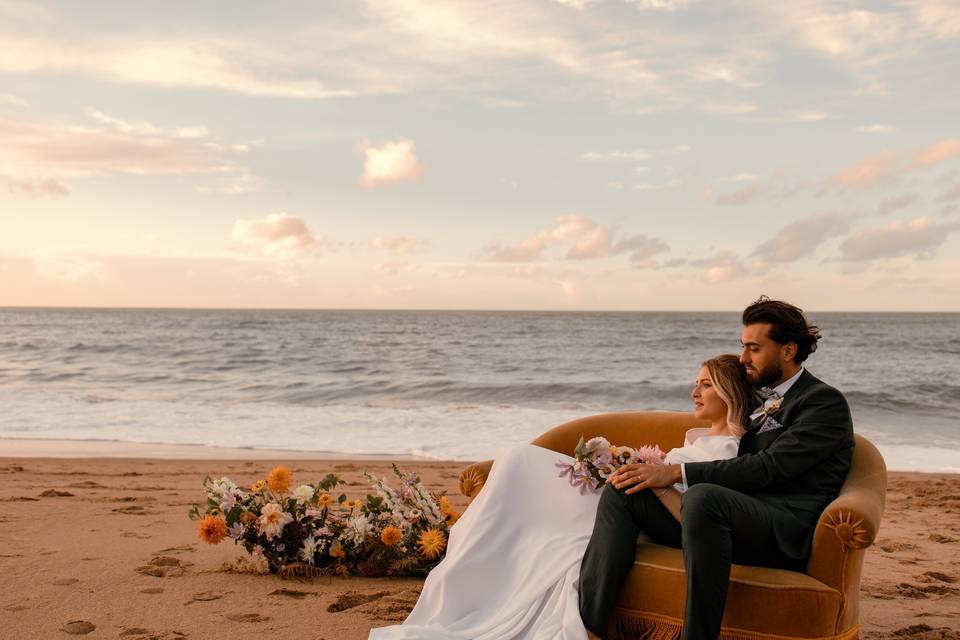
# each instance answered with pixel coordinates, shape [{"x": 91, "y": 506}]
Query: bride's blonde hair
[{"x": 730, "y": 380}]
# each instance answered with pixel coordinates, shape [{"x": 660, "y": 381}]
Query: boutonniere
[{"x": 772, "y": 408}]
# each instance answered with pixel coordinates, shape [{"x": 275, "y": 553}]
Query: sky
[{"x": 505, "y": 154}]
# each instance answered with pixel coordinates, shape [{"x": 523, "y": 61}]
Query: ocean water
[{"x": 442, "y": 384}]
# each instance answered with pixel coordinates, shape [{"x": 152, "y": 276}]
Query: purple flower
[
  {"x": 566, "y": 469},
  {"x": 228, "y": 502},
  {"x": 237, "y": 530}
]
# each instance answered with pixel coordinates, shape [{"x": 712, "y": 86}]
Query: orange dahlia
[
  {"x": 391, "y": 536},
  {"x": 445, "y": 506},
  {"x": 212, "y": 529},
  {"x": 432, "y": 542},
  {"x": 279, "y": 479},
  {"x": 336, "y": 550}
]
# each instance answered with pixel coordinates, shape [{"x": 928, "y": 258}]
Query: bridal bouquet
[
  {"x": 596, "y": 459},
  {"x": 307, "y": 531}
]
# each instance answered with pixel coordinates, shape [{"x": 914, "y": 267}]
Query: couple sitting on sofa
[{"x": 532, "y": 558}]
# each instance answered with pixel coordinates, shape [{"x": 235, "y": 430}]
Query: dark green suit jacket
[{"x": 797, "y": 469}]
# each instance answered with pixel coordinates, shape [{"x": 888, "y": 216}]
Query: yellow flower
[
  {"x": 452, "y": 518},
  {"x": 445, "y": 506},
  {"x": 432, "y": 542},
  {"x": 212, "y": 529},
  {"x": 280, "y": 479},
  {"x": 258, "y": 486},
  {"x": 325, "y": 500},
  {"x": 336, "y": 550},
  {"x": 391, "y": 536},
  {"x": 352, "y": 504}
]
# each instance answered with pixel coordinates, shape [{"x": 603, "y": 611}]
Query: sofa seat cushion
[{"x": 760, "y": 600}]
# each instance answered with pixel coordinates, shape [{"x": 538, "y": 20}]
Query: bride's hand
[{"x": 638, "y": 476}]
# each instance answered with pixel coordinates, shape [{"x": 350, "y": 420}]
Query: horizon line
[{"x": 434, "y": 309}]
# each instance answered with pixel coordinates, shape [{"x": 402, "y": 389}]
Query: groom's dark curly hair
[{"x": 787, "y": 324}]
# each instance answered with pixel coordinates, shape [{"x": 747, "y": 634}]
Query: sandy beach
[{"x": 102, "y": 547}]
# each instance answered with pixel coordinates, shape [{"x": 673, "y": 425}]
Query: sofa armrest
[
  {"x": 473, "y": 477},
  {"x": 846, "y": 527}
]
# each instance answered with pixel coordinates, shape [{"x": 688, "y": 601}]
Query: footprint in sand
[
  {"x": 152, "y": 590},
  {"x": 205, "y": 596},
  {"x": 137, "y": 633},
  {"x": 79, "y": 627},
  {"x": 936, "y": 576},
  {"x": 892, "y": 546},
  {"x": 65, "y": 582},
  {"x": 87, "y": 484},
  {"x": 246, "y": 617},
  {"x": 936, "y": 537},
  {"x": 53, "y": 493},
  {"x": 292, "y": 593},
  {"x": 164, "y": 567},
  {"x": 133, "y": 510},
  {"x": 352, "y": 599},
  {"x": 134, "y": 534},
  {"x": 184, "y": 548},
  {"x": 393, "y": 608}
]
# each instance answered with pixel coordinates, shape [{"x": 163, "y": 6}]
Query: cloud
[
  {"x": 729, "y": 108},
  {"x": 802, "y": 237},
  {"x": 399, "y": 245},
  {"x": 232, "y": 185},
  {"x": 739, "y": 177},
  {"x": 589, "y": 241},
  {"x": 10, "y": 100},
  {"x": 723, "y": 266},
  {"x": 876, "y": 128},
  {"x": 389, "y": 163},
  {"x": 808, "y": 115},
  {"x": 873, "y": 170},
  {"x": 744, "y": 195},
  {"x": 936, "y": 153},
  {"x": 919, "y": 238},
  {"x": 950, "y": 195},
  {"x": 279, "y": 235},
  {"x": 632, "y": 155},
  {"x": 37, "y": 188},
  {"x": 110, "y": 146},
  {"x": 673, "y": 183},
  {"x": 886, "y": 167},
  {"x": 941, "y": 17},
  {"x": 896, "y": 203}
]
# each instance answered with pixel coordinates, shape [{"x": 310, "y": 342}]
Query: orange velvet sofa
[{"x": 822, "y": 603}]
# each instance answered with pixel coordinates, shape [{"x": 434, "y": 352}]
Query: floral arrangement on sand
[
  {"x": 305, "y": 530},
  {"x": 596, "y": 459}
]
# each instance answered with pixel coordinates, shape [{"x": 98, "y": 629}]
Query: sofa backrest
[{"x": 630, "y": 428}]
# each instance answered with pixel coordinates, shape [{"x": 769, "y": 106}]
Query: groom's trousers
[{"x": 720, "y": 526}]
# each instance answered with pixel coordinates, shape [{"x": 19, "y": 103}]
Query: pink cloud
[
  {"x": 37, "y": 188},
  {"x": 398, "y": 244},
  {"x": 936, "y": 153},
  {"x": 802, "y": 237},
  {"x": 390, "y": 163},
  {"x": 892, "y": 205},
  {"x": 110, "y": 146},
  {"x": 920, "y": 238},
  {"x": 590, "y": 241},
  {"x": 744, "y": 195},
  {"x": 871, "y": 171},
  {"x": 279, "y": 235}
]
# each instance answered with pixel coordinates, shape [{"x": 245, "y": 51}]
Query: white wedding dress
[{"x": 512, "y": 568}]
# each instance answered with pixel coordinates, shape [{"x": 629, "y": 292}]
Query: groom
[{"x": 759, "y": 508}]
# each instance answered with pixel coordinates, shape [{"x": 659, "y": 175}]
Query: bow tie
[{"x": 768, "y": 394}]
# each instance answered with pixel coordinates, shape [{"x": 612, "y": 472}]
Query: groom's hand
[{"x": 637, "y": 477}]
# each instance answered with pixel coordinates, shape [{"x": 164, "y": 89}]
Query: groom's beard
[{"x": 768, "y": 375}]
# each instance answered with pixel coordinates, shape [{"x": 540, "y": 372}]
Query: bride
[{"x": 512, "y": 568}]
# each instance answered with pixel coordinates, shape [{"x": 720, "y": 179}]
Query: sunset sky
[{"x": 551, "y": 154}]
